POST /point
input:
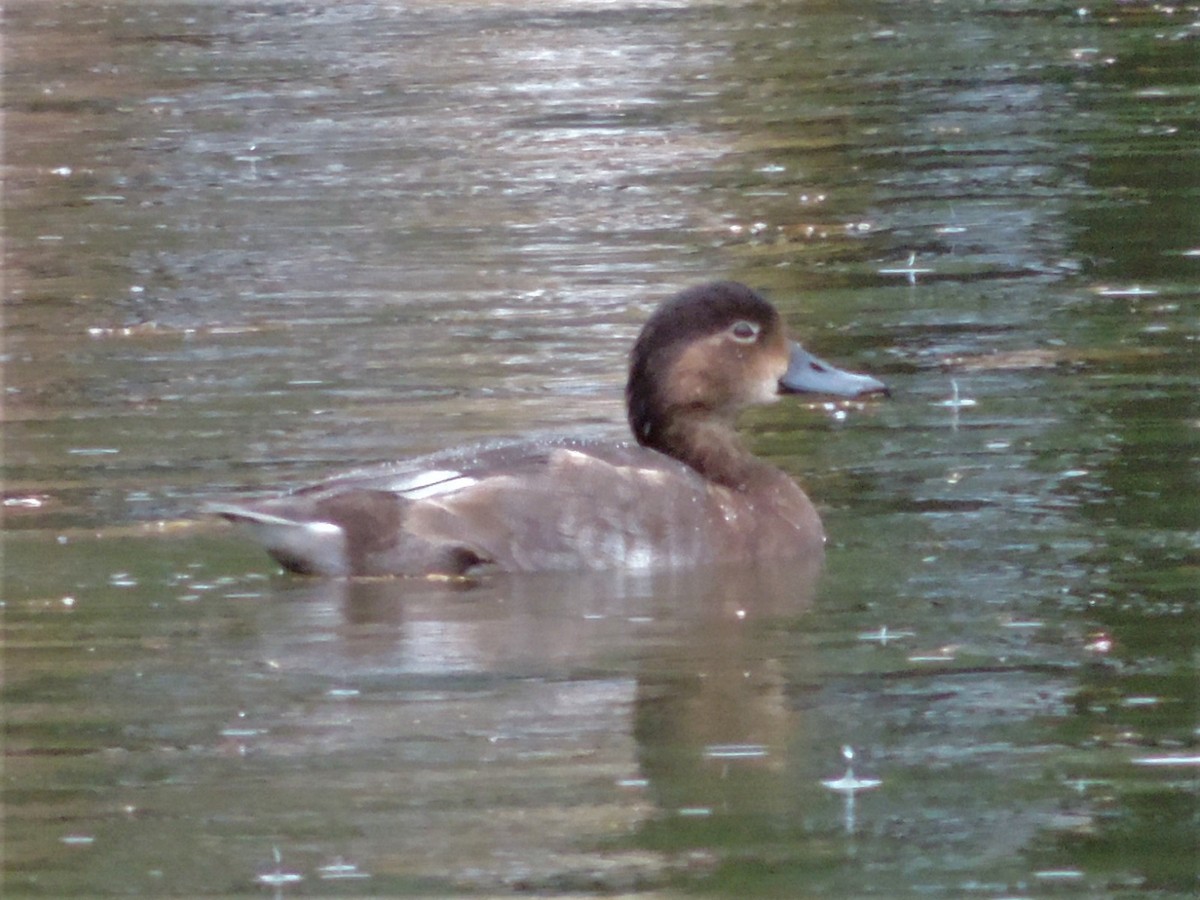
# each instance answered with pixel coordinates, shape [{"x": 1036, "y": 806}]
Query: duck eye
[{"x": 744, "y": 332}]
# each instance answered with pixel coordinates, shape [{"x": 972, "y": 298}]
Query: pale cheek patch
[
  {"x": 766, "y": 391},
  {"x": 767, "y": 372}
]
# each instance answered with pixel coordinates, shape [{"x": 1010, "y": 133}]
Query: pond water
[{"x": 251, "y": 243}]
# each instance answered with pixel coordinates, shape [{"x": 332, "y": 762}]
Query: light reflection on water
[{"x": 248, "y": 245}]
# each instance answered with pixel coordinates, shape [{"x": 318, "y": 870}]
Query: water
[{"x": 249, "y": 244}]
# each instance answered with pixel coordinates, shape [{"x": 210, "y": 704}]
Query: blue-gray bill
[{"x": 807, "y": 374}]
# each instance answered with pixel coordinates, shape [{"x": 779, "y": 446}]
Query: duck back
[{"x": 550, "y": 505}]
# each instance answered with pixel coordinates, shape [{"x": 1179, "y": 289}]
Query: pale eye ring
[{"x": 745, "y": 332}]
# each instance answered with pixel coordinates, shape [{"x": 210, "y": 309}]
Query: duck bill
[{"x": 806, "y": 374}]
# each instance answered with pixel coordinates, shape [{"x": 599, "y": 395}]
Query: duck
[{"x": 685, "y": 492}]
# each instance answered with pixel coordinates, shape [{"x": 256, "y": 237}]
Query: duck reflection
[{"x": 681, "y": 676}]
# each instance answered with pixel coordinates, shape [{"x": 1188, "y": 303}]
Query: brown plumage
[{"x": 687, "y": 493}]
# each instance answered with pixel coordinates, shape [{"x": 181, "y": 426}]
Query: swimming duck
[{"x": 687, "y": 493}]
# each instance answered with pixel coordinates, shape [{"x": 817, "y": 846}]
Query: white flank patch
[
  {"x": 453, "y": 482},
  {"x": 254, "y": 516},
  {"x": 419, "y": 480},
  {"x": 322, "y": 528}
]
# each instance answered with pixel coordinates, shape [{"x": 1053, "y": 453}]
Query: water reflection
[{"x": 549, "y": 701}]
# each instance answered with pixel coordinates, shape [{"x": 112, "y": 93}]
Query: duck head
[{"x": 714, "y": 349}]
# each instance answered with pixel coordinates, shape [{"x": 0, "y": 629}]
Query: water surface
[{"x": 252, "y": 243}]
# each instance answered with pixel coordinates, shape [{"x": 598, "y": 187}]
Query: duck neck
[{"x": 712, "y": 447}]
